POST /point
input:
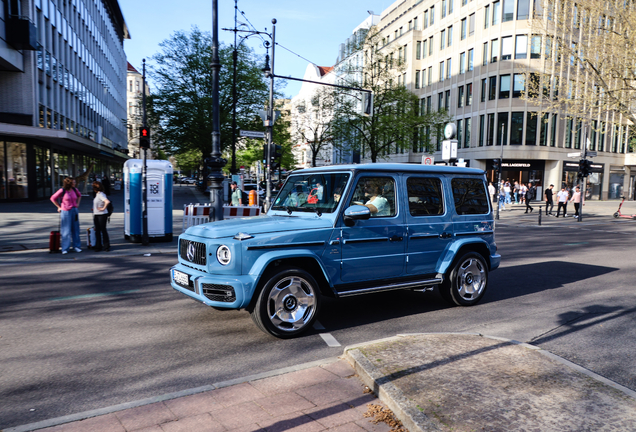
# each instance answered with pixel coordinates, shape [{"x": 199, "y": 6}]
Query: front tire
[
  {"x": 288, "y": 304},
  {"x": 616, "y": 215},
  {"x": 467, "y": 281}
]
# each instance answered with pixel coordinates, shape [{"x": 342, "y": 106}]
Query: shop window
[{"x": 16, "y": 170}]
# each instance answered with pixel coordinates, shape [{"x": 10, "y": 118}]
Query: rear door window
[
  {"x": 425, "y": 196},
  {"x": 470, "y": 196}
]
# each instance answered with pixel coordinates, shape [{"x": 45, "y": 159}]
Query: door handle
[
  {"x": 445, "y": 235},
  {"x": 395, "y": 238}
]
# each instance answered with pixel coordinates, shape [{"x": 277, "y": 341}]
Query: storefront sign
[
  {"x": 574, "y": 166},
  {"x": 519, "y": 165}
]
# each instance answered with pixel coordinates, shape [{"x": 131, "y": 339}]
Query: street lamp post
[
  {"x": 269, "y": 123},
  {"x": 215, "y": 161},
  {"x": 144, "y": 186},
  {"x": 500, "y": 169}
]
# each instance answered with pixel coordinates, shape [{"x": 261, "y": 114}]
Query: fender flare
[{"x": 447, "y": 259}]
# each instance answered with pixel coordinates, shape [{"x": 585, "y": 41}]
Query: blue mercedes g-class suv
[{"x": 340, "y": 231}]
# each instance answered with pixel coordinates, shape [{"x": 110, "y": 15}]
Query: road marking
[
  {"x": 330, "y": 340},
  {"x": 84, "y": 296},
  {"x": 575, "y": 244}
]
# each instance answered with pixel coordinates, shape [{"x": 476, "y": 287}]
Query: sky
[{"x": 313, "y": 30}]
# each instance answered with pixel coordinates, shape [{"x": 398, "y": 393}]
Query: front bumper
[
  {"x": 231, "y": 292},
  {"x": 495, "y": 260}
]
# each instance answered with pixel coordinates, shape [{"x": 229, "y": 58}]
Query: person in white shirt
[
  {"x": 491, "y": 192},
  {"x": 562, "y": 198}
]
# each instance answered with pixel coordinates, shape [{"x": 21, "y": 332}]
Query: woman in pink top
[{"x": 69, "y": 198}]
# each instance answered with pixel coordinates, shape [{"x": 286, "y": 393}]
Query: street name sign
[{"x": 252, "y": 134}]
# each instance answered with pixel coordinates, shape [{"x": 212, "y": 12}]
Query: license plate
[{"x": 181, "y": 278}]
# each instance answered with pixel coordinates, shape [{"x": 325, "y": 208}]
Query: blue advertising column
[{"x": 159, "y": 192}]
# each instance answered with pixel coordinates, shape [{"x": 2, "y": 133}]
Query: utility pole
[
  {"x": 269, "y": 123},
  {"x": 215, "y": 161},
  {"x": 144, "y": 185},
  {"x": 500, "y": 169},
  {"x": 234, "y": 60}
]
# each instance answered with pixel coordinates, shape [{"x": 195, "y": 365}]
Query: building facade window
[
  {"x": 485, "y": 54},
  {"x": 502, "y": 128},
  {"x": 470, "y": 60},
  {"x": 492, "y": 88},
  {"x": 486, "y": 16},
  {"x": 496, "y": 12},
  {"x": 441, "y": 71},
  {"x": 516, "y": 128},
  {"x": 417, "y": 79},
  {"x": 506, "y": 48},
  {"x": 447, "y": 99},
  {"x": 460, "y": 97},
  {"x": 469, "y": 94},
  {"x": 471, "y": 24},
  {"x": 463, "y": 29},
  {"x": 442, "y": 39},
  {"x": 462, "y": 63},
  {"x": 450, "y": 36},
  {"x": 494, "y": 50},
  {"x": 490, "y": 132},
  {"x": 535, "y": 47},
  {"x": 523, "y": 9},
  {"x": 504, "y": 86},
  {"x": 482, "y": 124},
  {"x": 483, "y": 90},
  {"x": 449, "y": 69},
  {"x": 521, "y": 47},
  {"x": 467, "y": 127},
  {"x": 508, "y": 10},
  {"x": 519, "y": 85},
  {"x": 543, "y": 134},
  {"x": 418, "y": 50}
]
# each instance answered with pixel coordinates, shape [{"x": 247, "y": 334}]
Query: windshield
[{"x": 312, "y": 192}]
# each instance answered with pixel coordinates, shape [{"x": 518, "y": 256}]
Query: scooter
[{"x": 619, "y": 214}]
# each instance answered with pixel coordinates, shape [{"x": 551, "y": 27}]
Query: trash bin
[{"x": 159, "y": 196}]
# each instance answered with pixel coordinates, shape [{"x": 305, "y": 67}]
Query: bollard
[
  {"x": 252, "y": 198},
  {"x": 539, "y": 215}
]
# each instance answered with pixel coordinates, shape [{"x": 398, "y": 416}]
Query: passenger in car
[{"x": 377, "y": 204}]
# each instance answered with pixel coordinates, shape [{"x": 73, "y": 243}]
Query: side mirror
[{"x": 354, "y": 213}]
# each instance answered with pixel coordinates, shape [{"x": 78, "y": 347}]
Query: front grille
[
  {"x": 198, "y": 249},
  {"x": 220, "y": 293}
]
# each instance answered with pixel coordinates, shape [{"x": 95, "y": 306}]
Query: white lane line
[{"x": 330, "y": 340}]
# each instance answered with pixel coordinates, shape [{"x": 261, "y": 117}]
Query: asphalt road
[{"x": 80, "y": 335}]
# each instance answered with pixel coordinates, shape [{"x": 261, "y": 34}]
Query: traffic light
[
  {"x": 144, "y": 137},
  {"x": 265, "y": 154},
  {"x": 496, "y": 165},
  {"x": 585, "y": 167},
  {"x": 276, "y": 154}
]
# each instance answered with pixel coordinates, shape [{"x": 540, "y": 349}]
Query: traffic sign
[
  {"x": 252, "y": 134},
  {"x": 575, "y": 154},
  {"x": 428, "y": 160},
  {"x": 591, "y": 154}
]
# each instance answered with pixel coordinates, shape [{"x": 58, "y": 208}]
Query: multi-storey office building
[
  {"x": 62, "y": 93},
  {"x": 471, "y": 58}
]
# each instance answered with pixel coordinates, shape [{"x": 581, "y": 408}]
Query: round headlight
[{"x": 224, "y": 255}]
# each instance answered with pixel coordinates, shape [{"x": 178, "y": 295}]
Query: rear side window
[
  {"x": 425, "y": 196},
  {"x": 470, "y": 196}
]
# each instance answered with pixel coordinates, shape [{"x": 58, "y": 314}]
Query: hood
[{"x": 258, "y": 225}]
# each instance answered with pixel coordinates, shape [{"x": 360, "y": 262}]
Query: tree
[
  {"x": 589, "y": 60},
  {"x": 314, "y": 123},
  {"x": 181, "y": 106},
  {"x": 395, "y": 121}
]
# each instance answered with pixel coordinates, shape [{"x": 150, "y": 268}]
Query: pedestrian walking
[
  {"x": 236, "y": 197},
  {"x": 530, "y": 195},
  {"x": 491, "y": 192},
  {"x": 549, "y": 202},
  {"x": 523, "y": 191},
  {"x": 100, "y": 218},
  {"x": 516, "y": 189},
  {"x": 69, "y": 199},
  {"x": 502, "y": 198},
  {"x": 576, "y": 199},
  {"x": 562, "y": 201},
  {"x": 507, "y": 190}
]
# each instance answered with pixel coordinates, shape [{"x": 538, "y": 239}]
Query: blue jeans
[
  {"x": 507, "y": 197},
  {"x": 69, "y": 229}
]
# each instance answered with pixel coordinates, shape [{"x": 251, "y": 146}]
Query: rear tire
[
  {"x": 288, "y": 304},
  {"x": 616, "y": 215},
  {"x": 467, "y": 281}
]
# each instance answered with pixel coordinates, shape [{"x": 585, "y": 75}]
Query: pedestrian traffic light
[
  {"x": 144, "y": 137},
  {"x": 496, "y": 165}
]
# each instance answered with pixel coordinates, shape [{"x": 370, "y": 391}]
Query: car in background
[{"x": 188, "y": 180}]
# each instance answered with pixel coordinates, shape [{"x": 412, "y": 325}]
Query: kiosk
[{"x": 159, "y": 195}]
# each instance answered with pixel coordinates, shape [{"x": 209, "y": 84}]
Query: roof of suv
[{"x": 393, "y": 167}]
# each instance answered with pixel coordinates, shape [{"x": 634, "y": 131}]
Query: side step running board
[{"x": 405, "y": 285}]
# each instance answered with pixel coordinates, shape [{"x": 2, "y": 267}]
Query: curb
[
  {"x": 410, "y": 416},
  {"x": 147, "y": 401}
]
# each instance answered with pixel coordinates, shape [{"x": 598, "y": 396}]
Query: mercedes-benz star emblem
[{"x": 190, "y": 252}]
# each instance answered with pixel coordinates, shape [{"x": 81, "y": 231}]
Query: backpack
[{"x": 109, "y": 209}]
